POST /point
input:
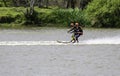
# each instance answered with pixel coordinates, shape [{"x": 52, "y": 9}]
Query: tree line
[
  {"x": 92, "y": 13},
  {"x": 46, "y": 3}
]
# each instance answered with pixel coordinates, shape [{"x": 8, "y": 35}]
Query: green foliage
[
  {"x": 100, "y": 13},
  {"x": 49, "y": 16},
  {"x": 6, "y": 19},
  {"x": 60, "y": 16},
  {"x": 9, "y": 3},
  {"x": 1, "y": 4},
  {"x": 31, "y": 18},
  {"x": 103, "y": 13},
  {"x": 8, "y": 15},
  {"x": 65, "y": 16},
  {"x": 44, "y": 14}
]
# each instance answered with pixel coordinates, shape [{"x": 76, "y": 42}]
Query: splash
[
  {"x": 98, "y": 41},
  {"x": 107, "y": 40}
]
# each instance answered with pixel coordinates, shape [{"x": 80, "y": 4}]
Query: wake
[
  {"x": 113, "y": 40},
  {"x": 98, "y": 41}
]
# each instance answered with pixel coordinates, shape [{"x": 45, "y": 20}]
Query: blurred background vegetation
[{"x": 90, "y": 13}]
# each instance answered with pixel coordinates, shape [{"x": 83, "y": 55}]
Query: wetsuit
[{"x": 77, "y": 32}]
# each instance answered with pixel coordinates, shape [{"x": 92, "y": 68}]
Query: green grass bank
[
  {"x": 45, "y": 17},
  {"x": 98, "y": 13}
]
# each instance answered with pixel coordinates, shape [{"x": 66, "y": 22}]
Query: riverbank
[
  {"x": 15, "y": 17},
  {"x": 21, "y": 26}
]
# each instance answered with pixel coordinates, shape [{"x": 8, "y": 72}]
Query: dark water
[{"x": 60, "y": 60}]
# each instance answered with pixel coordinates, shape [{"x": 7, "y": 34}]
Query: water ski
[{"x": 63, "y": 41}]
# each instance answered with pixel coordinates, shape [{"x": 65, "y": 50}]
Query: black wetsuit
[{"x": 77, "y": 32}]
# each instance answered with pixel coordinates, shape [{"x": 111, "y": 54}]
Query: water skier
[
  {"x": 77, "y": 32},
  {"x": 72, "y": 24}
]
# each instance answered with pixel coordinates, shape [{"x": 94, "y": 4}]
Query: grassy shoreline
[
  {"x": 14, "y": 17},
  {"x": 19, "y": 26},
  {"x": 30, "y": 27},
  {"x": 48, "y": 17}
]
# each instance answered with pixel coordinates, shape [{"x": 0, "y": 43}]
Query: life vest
[{"x": 76, "y": 30}]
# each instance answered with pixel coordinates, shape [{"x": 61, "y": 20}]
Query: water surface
[{"x": 60, "y": 60}]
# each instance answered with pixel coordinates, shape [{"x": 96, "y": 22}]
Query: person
[
  {"x": 72, "y": 24},
  {"x": 77, "y": 31}
]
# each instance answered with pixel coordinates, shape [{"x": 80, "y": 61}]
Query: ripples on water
[
  {"x": 40, "y": 60},
  {"x": 49, "y": 36}
]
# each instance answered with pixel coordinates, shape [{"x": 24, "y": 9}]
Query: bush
[
  {"x": 47, "y": 16},
  {"x": 61, "y": 16},
  {"x": 65, "y": 16},
  {"x": 31, "y": 18},
  {"x": 103, "y": 13},
  {"x": 6, "y": 19},
  {"x": 9, "y": 15},
  {"x": 1, "y": 4}
]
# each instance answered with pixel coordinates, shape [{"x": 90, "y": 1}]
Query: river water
[{"x": 35, "y": 52}]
